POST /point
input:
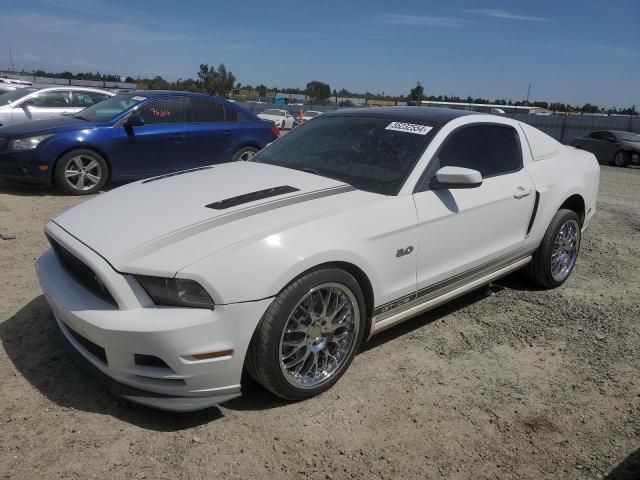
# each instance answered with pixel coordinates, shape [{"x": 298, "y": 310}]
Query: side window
[
  {"x": 86, "y": 99},
  {"x": 597, "y": 135},
  {"x": 490, "y": 149},
  {"x": 163, "y": 110},
  {"x": 53, "y": 99},
  {"x": 234, "y": 115},
  {"x": 203, "y": 110}
]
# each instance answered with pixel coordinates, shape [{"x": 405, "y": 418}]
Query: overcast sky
[{"x": 573, "y": 51}]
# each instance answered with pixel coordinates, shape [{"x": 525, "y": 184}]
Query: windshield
[
  {"x": 14, "y": 95},
  {"x": 110, "y": 108},
  {"x": 631, "y": 137},
  {"x": 273, "y": 112},
  {"x": 362, "y": 151}
]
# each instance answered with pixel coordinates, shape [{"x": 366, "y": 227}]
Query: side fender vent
[
  {"x": 251, "y": 197},
  {"x": 534, "y": 212}
]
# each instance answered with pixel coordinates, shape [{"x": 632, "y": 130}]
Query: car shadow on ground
[
  {"x": 34, "y": 345},
  {"x": 35, "y": 190},
  {"x": 628, "y": 469}
]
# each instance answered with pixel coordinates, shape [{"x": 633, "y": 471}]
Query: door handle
[
  {"x": 227, "y": 132},
  {"x": 177, "y": 137},
  {"x": 522, "y": 192}
]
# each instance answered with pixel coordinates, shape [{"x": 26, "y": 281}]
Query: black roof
[{"x": 431, "y": 115}]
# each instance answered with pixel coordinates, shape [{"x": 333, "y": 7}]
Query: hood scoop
[{"x": 251, "y": 197}]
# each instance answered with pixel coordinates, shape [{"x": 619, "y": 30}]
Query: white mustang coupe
[{"x": 170, "y": 287}]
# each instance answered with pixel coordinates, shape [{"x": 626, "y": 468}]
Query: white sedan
[
  {"x": 282, "y": 118},
  {"x": 284, "y": 265},
  {"x": 309, "y": 114}
]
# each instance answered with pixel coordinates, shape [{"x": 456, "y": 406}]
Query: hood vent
[{"x": 252, "y": 197}]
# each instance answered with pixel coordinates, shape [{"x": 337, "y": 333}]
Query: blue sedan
[{"x": 131, "y": 136}]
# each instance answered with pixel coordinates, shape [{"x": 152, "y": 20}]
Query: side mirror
[
  {"x": 134, "y": 120},
  {"x": 26, "y": 104},
  {"x": 456, "y": 177}
]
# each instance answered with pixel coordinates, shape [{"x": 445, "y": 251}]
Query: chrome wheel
[
  {"x": 83, "y": 172},
  {"x": 319, "y": 336},
  {"x": 565, "y": 250},
  {"x": 246, "y": 155}
]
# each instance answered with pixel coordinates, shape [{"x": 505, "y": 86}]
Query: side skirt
[{"x": 421, "y": 305}]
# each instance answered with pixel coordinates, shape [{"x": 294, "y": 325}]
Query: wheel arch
[{"x": 577, "y": 204}]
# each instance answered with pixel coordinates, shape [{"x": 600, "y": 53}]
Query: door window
[
  {"x": 87, "y": 99},
  {"x": 53, "y": 99},
  {"x": 163, "y": 110},
  {"x": 490, "y": 149},
  {"x": 203, "y": 110}
]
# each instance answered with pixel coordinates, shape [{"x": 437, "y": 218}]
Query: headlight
[
  {"x": 28, "y": 143},
  {"x": 176, "y": 292}
]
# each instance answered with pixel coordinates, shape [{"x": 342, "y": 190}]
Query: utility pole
[
  {"x": 528, "y": 93},
  {"x": 11, "y": 57}
]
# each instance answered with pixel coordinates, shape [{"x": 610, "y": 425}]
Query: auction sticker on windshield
[
  {"x": 138, "y": 99},
  {"x": 409, "y": 128}
]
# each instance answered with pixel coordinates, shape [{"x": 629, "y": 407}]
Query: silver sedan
[{"x": 34, "y": 103}]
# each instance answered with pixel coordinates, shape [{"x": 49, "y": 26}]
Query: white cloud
[
  {"x": 495, "y": 13},
  {"x": 420, "y": 20}
]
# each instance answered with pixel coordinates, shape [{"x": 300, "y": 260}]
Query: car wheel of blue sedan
[
  {"x": 244, "y": 154},
  {"x": 81, "y": 172}
]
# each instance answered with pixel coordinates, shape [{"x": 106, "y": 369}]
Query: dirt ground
[{"x": 505, "y": 383}]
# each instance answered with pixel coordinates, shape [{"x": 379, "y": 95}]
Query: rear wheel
[
  {"x": 244, "y": 154},
  {"x": 621, "y": 159},
  {"x": 81, "y": 172},
  {"x": 556, "y": 256},
  {"x": 308, "y": 335}
]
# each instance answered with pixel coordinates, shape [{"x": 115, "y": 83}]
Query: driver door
[{"x": 465, "y": 231}]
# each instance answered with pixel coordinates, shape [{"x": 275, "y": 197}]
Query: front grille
[
  {"x": 3, "y": 143},
  {"x": 95, "y": 350},
  {"x": 81, "y": 273}
]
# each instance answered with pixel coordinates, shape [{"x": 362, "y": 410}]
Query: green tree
[
  {"x": 216, "y": 82},
  {"x": 318, "y": 91},
  {"x": 416, "y": 95}
]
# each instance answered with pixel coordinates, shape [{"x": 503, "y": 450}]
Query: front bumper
[
  {"x": 24, "y": 166},
  {"x": 113, "y": 340}
]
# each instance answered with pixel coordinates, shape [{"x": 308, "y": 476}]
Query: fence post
[
  {"x": 564, "y": 123},
  {"x": 630, "y": 119}
]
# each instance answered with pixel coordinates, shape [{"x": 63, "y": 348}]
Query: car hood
[
  {"x": 44, "y": 127},
  {"x": 163, "y": 224}
]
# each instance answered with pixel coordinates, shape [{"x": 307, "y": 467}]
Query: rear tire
[
  {"x": 309, "y": 335},
  {"x": 556, "y": 256},
  {"x": 81, "y": 172},
  {"x": 620, "y": 159},
  {"x": 244, "y": 154}
]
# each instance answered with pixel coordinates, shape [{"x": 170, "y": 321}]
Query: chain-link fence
[{"x": 563, "y": 128}]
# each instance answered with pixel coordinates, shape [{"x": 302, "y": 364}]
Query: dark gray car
[{"x": 611, "y": 146}]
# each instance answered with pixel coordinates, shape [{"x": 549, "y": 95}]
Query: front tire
[
  {"x": 620, "y": 159},
  {"x": 81, "y": 172},
  {"x": 309, "y": 335},
  {"x": 556, "y": 256},
  {"x": 244, "y": 154}
]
